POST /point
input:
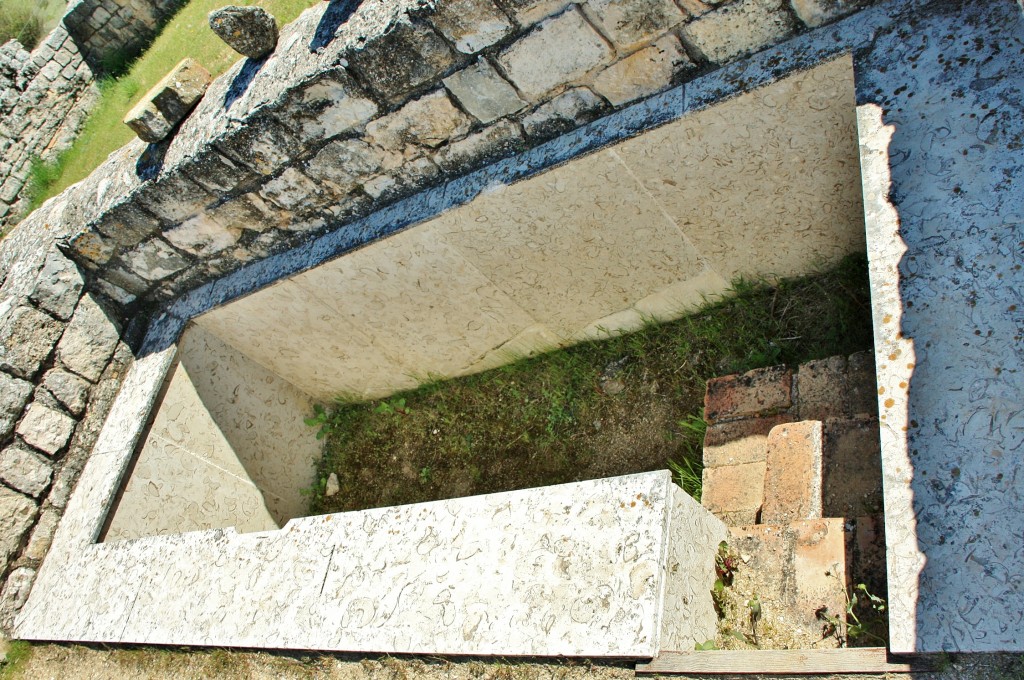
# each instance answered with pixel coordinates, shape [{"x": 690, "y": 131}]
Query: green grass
[
  {"x": 28, "y": 21},
  {"x": 18, "y": 654},
  {"x": 628, "y": 404},
  {"x": 187, "y": 35}
]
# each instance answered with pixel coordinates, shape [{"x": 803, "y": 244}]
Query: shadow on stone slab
[{"x": 338, "y": 12}]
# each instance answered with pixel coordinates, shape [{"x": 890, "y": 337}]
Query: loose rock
[
  {"x": 333, "y": 486},
  {"x": 250, "y": 31},
  {"x": 169, "y": 102}
]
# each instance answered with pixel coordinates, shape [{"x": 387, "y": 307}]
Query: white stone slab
[{"x": 592, "y": 569}]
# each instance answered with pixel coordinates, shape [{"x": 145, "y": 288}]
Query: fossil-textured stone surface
[
  {"x": 250, "y": 31},
  {"x": 27, "y": 472},
  {"x": 642, "y": 73},
  {"x": 576, "y": 569},
  {"x": 631, "y": 23},
  {"x": 428, "y": 121},
  {"x": 739, "y": 27},
  {"x": 483, "y": 92},
  {"x": 170, "y": 100}
]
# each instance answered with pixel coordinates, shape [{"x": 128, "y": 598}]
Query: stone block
[
  {"x": 852, "y": 460},
  {"x": 739, "y": 28},
  {"x": 763, "y": 391},
  {"x": 740, "y": 441},
  {"x": 565, "y": 112},
  {"x": 816, "y": 13},
  {"x": 325, "y": 107},
  {"x": 484, "y": 93},
  {"x": 428, "y": 121},
  {"x": 294, "y": 191},
  {"x": 127, "y": 225},
  {"x": 14, "y": 395},
  {"x": 45, "y": 428},
  {"x": 15, "y": 594},
  {"x": 248, "y": 211},
  {"x": 172, "y": 198},
  {"x": 398, "y": 62},
  {"x": 42, "y": 535},
  {"x": 471, "y": 25},
  {"x": 169, "y": 101},
  {"x": 126, "y": 280},
  {"x": 24, "y": 470},
  {"x": 216, "y": 173},
  {"x": 343, "y": 164},
  {"x": 155, "y": 260},
  {"x": 559, "y": 52},
  {"x": 17, "y": 513},
  {"x": 643, "y": 73},
  {"x": 250, "y": 31},
  {"x": 821, "y": 389},
  {"x": 490, "y": 144},
  {"x": 58, "y": 285},
  {"x": 528, "y": 12},
  {"x": 89, "y": 340},
  {"x": 71, "y": 391},
  {"x": 631, "y": 23},
  {"x": 29, "y": 336},
  {"x": 91, "y": 249},
  {"x": 734, "y": 493},
  {"x": 201, "y": 235},
  {"x": 413, "y": 175},
  {"x": 793, "y": 476},
  {"x": 862, "y": 388},
  {"x": 262, "y": 144}
]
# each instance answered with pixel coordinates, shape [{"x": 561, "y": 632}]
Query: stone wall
[
  {"x": 61, "y": 363},
  {"x": 44, "y": 98},
  {"x": 358, "y": 109},
  {"x": 112, "y": 31}
]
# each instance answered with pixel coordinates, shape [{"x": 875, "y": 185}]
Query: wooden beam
[{"x": 776, "y": 662}]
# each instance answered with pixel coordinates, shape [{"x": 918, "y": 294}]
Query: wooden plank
[{"x": 776, "y": 662}]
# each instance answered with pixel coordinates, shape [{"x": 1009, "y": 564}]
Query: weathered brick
[
  {"x": 58, "y": 285},
  {"x": 173, "y": 198},
  {"x": 739, "y": 28},
  {"x": 740, "y": 441},
  {"x": 852, "y": 478},
  {"x": 263, "y": 144},
  {"x": 45, "y": 428},
  {"x": 328, "y": 106},
  {"x": 29, "y": 336},
  {"x": 499, "y": 140},
  {"x": 558, "y": 52},
  {"x": 565, "y": 112},
  {"x": 400, "y": 61},
  {"x": 24, "y": 470},
  {"x": 126, "y": 225},
  {"x": 528, "y": 12},
  {"x": 763, "y": 391},
  {"x": 343, "y": 164},
  {"x": 14, "y": 395},
  {"x": 471, "y": 25},
  {"x": 821, "y": 389},
  {"x": 734, "y": 493},
  {"x": 815, "y": 13},
  {"x": 793, "y": 476},
  {"x": 293, "y": 191},
  {"x": 631, "y": 23},
  {"x": 428, "y": 121},
  {"x": 643, "y": 73},
  {"x": 155, "y": 260},
  {"x": 201, "y": 235},
  {"x": 89, "y": 341},
  {"x": 484, "y": 93},
  {"x": 71, "y": 391},
  {"x": 92, "y": 249},
  {"x": 248, "y": 211}
]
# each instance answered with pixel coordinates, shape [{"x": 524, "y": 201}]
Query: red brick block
[
  {"x": 793, "y": 474},
  {"x": 734, "y": 493},
  {"x": 763, "y": 391},
  {"x": 821, "y": 389},
  {"x": 740, "y": 441}
]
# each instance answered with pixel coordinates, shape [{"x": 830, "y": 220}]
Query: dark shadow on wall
[
  {"x": 338, "y": 12},
  {"x": 950, "y": 85}
]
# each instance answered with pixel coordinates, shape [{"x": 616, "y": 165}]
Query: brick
[
  {"x": 155, "y": 260},
  {"x": 763, "y": 391},
  {"x": 862, "y": 386},
  {"x": 497, "y": 141},
  {"x": 471, "y": 25},
  {"x": 396, "y": 63},
  {"x": 340, "y": 164},
  {"x": 735, "y": 493},
  {"x": 327, "y": 106},
  {"x": 793, "y": 474},
  {"x": 643, "y": 73},
  {"x": 739, "y": 28},
  {"x": 816, "y": 13},
  {"x": 631, "y": 23},
  {"x": 819, "y": 565},
  {"x": 293, "y": 191},
  {"x": 263, "y": 145},
  {"x": 852, "y": 460},
  {"x": 740, "y": 441},
  {"x": 428, "y": 121},
  {"x": 560, "y": 51},
  {"x": 821, "y": 389},
  {"x": 58, "y": 285},
  {"x": 484, "y": 93},
  {"x": 201, "y": 235}
]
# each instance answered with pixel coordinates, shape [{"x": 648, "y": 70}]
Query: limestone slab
[{"x": 532, "y": 572}]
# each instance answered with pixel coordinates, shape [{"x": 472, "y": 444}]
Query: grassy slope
[
  {"x": 563, "y": 416},
  {"x": 29, "y": 21},
  {"x": 187, "y": 35}
]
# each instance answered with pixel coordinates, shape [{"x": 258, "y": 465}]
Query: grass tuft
[
  {"x": 29, "y": 21},
  {"x": 628, "y": 404},
  {"x": 18, "y": 654}
]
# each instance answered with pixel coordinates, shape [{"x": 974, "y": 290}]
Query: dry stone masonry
[{"x": 112, "y": 31}]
